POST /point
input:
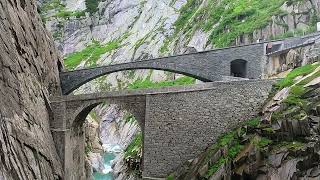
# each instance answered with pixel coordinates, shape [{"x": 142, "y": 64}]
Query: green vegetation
[
  {"x": 297, "y": 105},
  {"x": 170, "y": 177},
  {"x": 296, "y": 92},
  {"x": 92, "y": 6},
  {"x": 94, "y": 115},
  {"x": 213, "y": 169},
  {"x": 293, "y": 145},
  {"x": 300, "y": 71},
  {"x": 255, "y": 122},
  {"x": 129, "y": 118},
  {"x": 67, "y": 14},
  {"x": 242, "y": 140},
  {"x": 91, "y": 54},
  {"x": 187, "y": 12},
  {"x": 226, "y": 20},
  {"x": 51, "y": 5},
  {"x": 134, "y": 148},
  {"x": 234, "y": 150},
  {"x": 61, "y": 10},
  {"x": 230, "y": 139},
  {"x": 263, "y": 142},
  {"x": 147, "y": 83},
  {"x": 87, "y": 149},
  {"x": 309, "y": 79}
]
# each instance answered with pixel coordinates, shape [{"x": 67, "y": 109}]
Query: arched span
[
  {"x": 80, "y": 117},
  {"x": 72, "y": 80},
  {"x": 134, "y": 104},
  {"x": 206, "y": 66},
  {"x": 75, "y": 139},
  {"x": 238, "y": 68}
]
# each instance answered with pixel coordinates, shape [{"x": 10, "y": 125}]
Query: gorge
[{"x": 101, "y": 33}]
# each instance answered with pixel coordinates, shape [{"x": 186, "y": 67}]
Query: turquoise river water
[{"x": 111, "y": 150}]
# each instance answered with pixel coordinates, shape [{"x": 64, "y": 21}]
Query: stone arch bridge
[{"x": 177, "y": 123}]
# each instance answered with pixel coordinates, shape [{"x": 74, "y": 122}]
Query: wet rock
[{"x": 96, "y": 161}]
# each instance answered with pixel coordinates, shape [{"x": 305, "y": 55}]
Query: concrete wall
[{"x": 179, "y": 126}]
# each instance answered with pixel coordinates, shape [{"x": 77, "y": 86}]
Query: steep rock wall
[{"x": 28, "y": 75}]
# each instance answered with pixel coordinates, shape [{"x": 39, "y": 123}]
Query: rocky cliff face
[{"x": 29, "y": 75}]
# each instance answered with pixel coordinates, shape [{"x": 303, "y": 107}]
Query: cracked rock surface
[{"x": 28, "y": 75}]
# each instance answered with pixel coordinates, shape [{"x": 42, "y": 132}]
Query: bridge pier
[{"x": 65, "y": 140}]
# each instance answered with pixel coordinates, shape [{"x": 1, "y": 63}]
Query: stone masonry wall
[
  {"x": 28, "y": 75},
  {"x": 179, "y": 126}
]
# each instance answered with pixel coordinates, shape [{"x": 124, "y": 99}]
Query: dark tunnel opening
[{"x": 238, "y": 68}]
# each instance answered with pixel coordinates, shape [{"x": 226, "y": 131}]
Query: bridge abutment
[{"x": 68, "y": 139}]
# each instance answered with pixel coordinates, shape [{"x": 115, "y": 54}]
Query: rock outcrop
[{"x": 29, "y": 75}]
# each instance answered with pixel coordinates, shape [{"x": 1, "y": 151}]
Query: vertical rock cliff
[{"x": 28, "y": 76}]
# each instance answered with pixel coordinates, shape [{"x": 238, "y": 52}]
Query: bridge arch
[
  {"x": 74, "y": 79},
  {"x": 134, "y": 105},
  {"x": 77, "y": 114},
  {"x": 238, "y": 68}
]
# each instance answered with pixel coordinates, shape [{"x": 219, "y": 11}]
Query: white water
[{"x": 111, "y": 150}]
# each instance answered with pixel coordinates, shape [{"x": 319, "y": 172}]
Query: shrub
[
  {"x": 92, "y": 6},
  {"x": 134, "y": 148}
]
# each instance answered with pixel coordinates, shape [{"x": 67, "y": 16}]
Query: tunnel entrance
[{"x": 238, "y": 68}]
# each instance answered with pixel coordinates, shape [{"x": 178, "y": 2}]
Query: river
[{"x": 108, "y": 156}]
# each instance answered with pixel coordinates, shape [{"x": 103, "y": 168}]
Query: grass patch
[
  {"x": 147, "y": 83},
  {"x": 170, "y": 177},
  {"x": 87, "y": 149},
  {"x": 263, "y": 142},
  {"x": 215, "y": 167},
  {"x": 92, "y": 6},
  {"x": 67, "y": 14},
  {"x": 294, "y": 145},
  {"x": 129, "y": 118},
  {"x": 134, "y": 148},
  {"x": 300, "y": 71},
  {"x": 255, "y": 122},
  {"x": 309, "y": 79},
  {"x": 91, "y": 54},
  {"x": 51, "y": 5},
  {"x": 234, "y": 150},
  {"x": 227, "y": 20}
]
